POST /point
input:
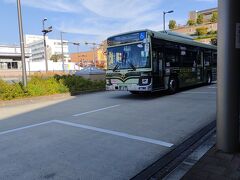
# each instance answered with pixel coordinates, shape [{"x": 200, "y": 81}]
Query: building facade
[
  {"x": 53, "y": 47},
  {"x": 10, "y": 57},
  {"x": 207, "y": 14},
  {"x": 191, "y": 30},
  {"x": 96, "y": 57},
  {"x": 207, "y": 24}
]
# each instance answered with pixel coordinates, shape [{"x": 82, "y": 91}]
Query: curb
[{"x": 169, "y": 161}]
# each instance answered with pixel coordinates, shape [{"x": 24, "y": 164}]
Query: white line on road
[
  {"x": 25, "y": 127},
  {"x": 198, "y": 92},
  {"x": 88, "y": 112},
  {"x": 116, "y": 133}
]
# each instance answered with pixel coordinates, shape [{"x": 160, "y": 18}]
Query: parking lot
[{"x": 105, "y": 135}]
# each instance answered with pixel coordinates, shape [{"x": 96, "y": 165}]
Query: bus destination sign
[{"x": 127, "y": 38}]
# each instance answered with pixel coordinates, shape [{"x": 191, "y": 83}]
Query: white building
[
  {"x": 54, "y": 47},
  {"x": 10, "y": 57}
]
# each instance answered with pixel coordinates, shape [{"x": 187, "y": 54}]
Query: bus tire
[
  {"x": 172, "y": 85},
  {"x": 209, "y": 78}
]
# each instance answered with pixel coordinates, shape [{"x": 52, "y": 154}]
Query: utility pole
[
  {"x": 62, "y": 51},
  {"x": 45, "y": 31},
  {"x": 228, "y": 77},
  {"x": 164, "y": 14},
  {"x": 24, "y": 73}
]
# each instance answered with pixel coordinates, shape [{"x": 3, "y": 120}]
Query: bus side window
[
  {"x": 214, "y": 59},
  {"x": 171, "y": 57},
  {"x": 207, "y": 57},
  {"x": 190, "y": 58},
  {"x": 199, "y": 57},
  {"x": 155, "y": 63}
]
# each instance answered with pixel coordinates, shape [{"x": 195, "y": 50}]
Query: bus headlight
[
  {"x": 108, "y": 81},
  {"x": 145, "y": 81}
]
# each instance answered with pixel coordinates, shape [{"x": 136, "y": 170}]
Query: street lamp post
[
  {"x": 61, "y": 34},
  {"x": 45, "y": 31},
  {"x": 24, "y": 73},
  {"x": 164, "y": 14},
  {"x": 78, "y": 49}
]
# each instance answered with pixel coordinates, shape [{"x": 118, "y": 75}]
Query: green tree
[
  {"x": 214, "y": 18},
  {"x": 191, "y": 22},
  {"x": 200, "y": 19},
  {"x": 56, "y": 57},
  {"x": 172, "y": 24},
  {"x": 202, "y": 31}
]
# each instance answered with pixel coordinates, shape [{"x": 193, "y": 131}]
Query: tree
[
  {"x": 200, "y": 19},
  {"x": 214, "y": 18},
  {"x": 56, "y": 57},
  {"x": 191, "y": 22},
  {"x": 172, "y": 24},
  {"x": 202, "y": 31}
]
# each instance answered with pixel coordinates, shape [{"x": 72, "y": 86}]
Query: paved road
[{"x": 106, "y": 135}]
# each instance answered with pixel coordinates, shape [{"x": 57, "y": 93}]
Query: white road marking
[
  {"x": 116, "y": 133},
  {"x": 88, "y": 112},
  {"x": 195, "y": 92},
  {"x": 25, "y": 127},
  {"x": 106, "y": 131}
]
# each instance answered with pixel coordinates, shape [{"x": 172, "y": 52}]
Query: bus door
[
  {"x": 200, "y": 67},
  {"x": 158, "y": 69}
]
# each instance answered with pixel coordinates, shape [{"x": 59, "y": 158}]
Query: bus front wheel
[{"x": 172, "y": 85}]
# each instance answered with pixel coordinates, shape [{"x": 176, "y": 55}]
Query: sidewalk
[{"x": 215, "y": 165}]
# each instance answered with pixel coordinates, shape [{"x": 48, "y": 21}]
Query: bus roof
[{"x": 174, "y": 37}]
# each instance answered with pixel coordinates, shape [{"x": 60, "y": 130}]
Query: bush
[
  {"x": 200, "y": 19},
  {"x": 191, "y": 22},
  {"x": 78, "y": 84},
  {"x": 11, "y": 91},
  {"x": 38, "y": 86},
  {"x": 214, "y": 18},
  {"x": 202, "y": 31},
  {"x": 172, "y": 24}
]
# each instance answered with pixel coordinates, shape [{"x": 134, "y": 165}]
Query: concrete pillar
[{"x": 228, "y": 77}]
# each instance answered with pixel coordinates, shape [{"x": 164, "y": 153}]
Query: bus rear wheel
[{"x": 172, "y": 85}]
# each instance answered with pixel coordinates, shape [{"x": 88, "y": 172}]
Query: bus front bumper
[{"x": 128, "y": 87}]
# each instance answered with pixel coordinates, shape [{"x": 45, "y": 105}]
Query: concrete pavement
[{"x": 106, "y": 135}]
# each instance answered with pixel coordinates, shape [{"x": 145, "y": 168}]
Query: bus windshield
[{"x": 129, "y": 56}]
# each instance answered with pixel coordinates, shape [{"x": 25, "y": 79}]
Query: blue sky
[{"x": 92, "y": 20}]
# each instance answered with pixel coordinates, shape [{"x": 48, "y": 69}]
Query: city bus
[{"x": 149, "y": 61}]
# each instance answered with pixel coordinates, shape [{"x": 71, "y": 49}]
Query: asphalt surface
[{"x": 105, "y": 135}]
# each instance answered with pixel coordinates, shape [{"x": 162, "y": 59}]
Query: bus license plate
[{"x": 123, "y": 88}]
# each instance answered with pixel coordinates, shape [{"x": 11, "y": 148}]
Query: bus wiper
[
  {"x": 132, "y": 66},
  {"x": 116, "y": 67}
]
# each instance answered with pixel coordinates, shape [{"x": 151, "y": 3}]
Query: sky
[{"x": 92, "y": 20}]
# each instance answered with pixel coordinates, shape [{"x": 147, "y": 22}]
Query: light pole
[
  {"x": 164, "y": 13},
  {"x": 78, "y": 50},
  {"x": 45, "y": 31},
  {"x": 24, "y": 73},
  {"x": 61, "y": 34}
]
